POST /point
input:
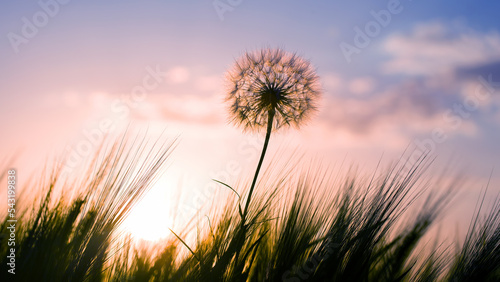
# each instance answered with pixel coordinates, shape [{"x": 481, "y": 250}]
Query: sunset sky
[{"x": 424, "y": 74}]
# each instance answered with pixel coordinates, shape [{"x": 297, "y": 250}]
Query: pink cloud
[
  {"x": 396, "y": 113},
  {"x": 178, "y": 75},
  {"x": 362, "y": 85}
]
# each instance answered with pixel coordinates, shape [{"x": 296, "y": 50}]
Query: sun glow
[{"x": 151, "y": 217}]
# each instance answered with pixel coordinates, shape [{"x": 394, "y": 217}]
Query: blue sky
[{"x": 419, "y": 79}]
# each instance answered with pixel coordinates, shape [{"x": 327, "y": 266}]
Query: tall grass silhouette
[
  {"x": 59, "y": 240},
  {"x": 303, "y": 225},
  {"x": 298, "y": 222},
  {"x": 306, "y": 225}
]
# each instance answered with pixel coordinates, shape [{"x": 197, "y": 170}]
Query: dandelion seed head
[{"x": 271, "y": 80}]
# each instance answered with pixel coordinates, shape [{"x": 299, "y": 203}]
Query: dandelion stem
[{"x": 266, "y": 142}]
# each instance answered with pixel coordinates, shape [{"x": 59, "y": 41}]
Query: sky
[{"x": 395, "y": 74}]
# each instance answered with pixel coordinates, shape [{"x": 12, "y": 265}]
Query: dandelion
[{"x": 271, "y": 89}]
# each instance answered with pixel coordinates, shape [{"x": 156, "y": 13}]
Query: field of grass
[{"x": 306, "y": 224}]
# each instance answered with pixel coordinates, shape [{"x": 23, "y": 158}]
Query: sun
[{"x": 151, "y": 218}]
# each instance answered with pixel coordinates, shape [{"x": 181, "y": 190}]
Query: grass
[{"x": 301, "y": 225}]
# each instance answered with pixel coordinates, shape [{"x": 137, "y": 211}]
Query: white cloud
[
  {"x": 437, "y": 48},
  {"x": 178, "y": 75}
]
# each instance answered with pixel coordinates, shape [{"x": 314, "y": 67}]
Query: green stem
[{"x": 266, "y": 142}]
